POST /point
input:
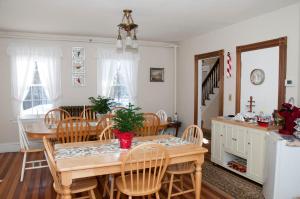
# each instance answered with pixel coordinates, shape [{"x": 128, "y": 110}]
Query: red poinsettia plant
[{"x": 126, "y": 121}]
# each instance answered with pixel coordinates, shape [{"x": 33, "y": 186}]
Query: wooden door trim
[
  {"x": 282, "y": 44},
  {"x": 220, "y": 54}
]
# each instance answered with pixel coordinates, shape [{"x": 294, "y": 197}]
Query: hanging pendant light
[{"x": 128, "y": 27}]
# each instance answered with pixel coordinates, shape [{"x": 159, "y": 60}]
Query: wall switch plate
[{"x": 289, "y": 83}]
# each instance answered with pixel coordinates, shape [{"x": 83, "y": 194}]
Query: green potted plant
[
  {"x": 126, "y": 121},
  {"x": 101, "y": 105}
]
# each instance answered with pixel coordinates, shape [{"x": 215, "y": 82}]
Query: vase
[{"x": 125, "y": 138}]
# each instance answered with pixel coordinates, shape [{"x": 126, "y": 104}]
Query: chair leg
[
  {"x": 118, "y": 194},
  {"x": 23, "y": 166},
  {"x": 157, "y": 195},
  {"x": 193, "y": 180},
  {"x": 181, "y": 182},
  {"x": 92, "y": 194},
  {"x": 170, "y": 186},
  {"x": 112, "y": 186},
  {"x": 130, "y": 197}
]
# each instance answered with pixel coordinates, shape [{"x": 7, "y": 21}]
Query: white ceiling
[{"x": 158, "y": 20}]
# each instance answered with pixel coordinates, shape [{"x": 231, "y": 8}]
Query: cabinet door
[
  {"x": 256, "y": 154},
  {"x": 229, "y": 137},
  {"x": 217, "y": 142},
  {"x": 240, "y": 141}
]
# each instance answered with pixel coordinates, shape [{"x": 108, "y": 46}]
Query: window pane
[
  {"x": 27, "y": 105},
  {"x": 28, "y": 96}
]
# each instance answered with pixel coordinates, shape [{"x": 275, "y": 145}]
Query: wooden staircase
[{"x": 210, "y": 82}]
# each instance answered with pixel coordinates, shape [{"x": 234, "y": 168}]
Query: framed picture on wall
[
  {"x": 78, "y": 66},
  {"x": 157, "y": 74}
]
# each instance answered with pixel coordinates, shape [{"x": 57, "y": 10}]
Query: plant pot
[{"x": 125, "y": 138}]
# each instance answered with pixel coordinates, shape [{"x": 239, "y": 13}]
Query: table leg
[
  {"x": 198, "y": 179},
  {"x": 66, "y": 182},
  {"x": 176, "y": 134}
]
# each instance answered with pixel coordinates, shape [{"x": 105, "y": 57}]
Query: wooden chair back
[
  {"x": 151, "y": 125},
  {"x": 104, "y": 122},
  {"x": 73, "y": 129},
  {"x": 107, "y": 133},
  {"x": 24, "y": 143},
  {"x": 88, "y": 114},
  {"x": 51, "y": 163},
  {"x": 144, "y": 166},
  {"x": 114, "y": 109},
  {"x": 162, "y": 115},
  {"x": 54, "y": 116},
  {"x": 193, "y": 134}
]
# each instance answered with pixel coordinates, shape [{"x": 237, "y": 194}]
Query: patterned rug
[{"x": 230, "y": 183}]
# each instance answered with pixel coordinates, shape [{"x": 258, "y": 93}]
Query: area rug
[{"x": 230, "y": 183}]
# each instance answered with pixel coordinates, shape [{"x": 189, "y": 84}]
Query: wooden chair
[
  {"x": 151, "y": 125},
  {"x": 114, "y": 109},
  {"x": 54, "y": 116},
  {"x": 142, "y": 170},
  {"x": 162, "y": 115},
  {"x": 27, "y": 148},
  {"x": 88, "y": 114},
  {"x": 107, "y": 134},
  {"x": 73, "y": 129},
  {"x": 105, "y": 121},
  {"x": 78, "y": 186},
  {"x": 163, "y": 118},
  {"x": 194, "y": 135}
]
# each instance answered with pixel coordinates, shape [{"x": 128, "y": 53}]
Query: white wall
[
  {"x": 283, "y": 22},
  {"x": 151, "y": 96},
  {"x": 266, "y": 59}
]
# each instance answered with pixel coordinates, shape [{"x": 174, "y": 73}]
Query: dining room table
[
  {"x": 95, "y": 158},
  {"x": 37, "y": 129}
]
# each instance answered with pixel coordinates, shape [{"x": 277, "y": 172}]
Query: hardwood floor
[{"x": 37, "y": 184}]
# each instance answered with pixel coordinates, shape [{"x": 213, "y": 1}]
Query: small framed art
[{"x": 157, "y": 74}]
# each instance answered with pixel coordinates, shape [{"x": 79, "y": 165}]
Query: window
[
  {"x": 118, "y": 90},
  {"x": 36, "y": 100},
  {"x": 117, "y": 76}
]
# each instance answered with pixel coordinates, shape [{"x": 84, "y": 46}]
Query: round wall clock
[{"x": 257, "y": 76}]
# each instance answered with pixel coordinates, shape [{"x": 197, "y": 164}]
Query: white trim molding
[
  {"x": 69, "y": 38},
  {"x": 15, "y": 146}
]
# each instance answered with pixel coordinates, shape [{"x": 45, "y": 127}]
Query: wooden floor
[{"x": 37, "y": 184}]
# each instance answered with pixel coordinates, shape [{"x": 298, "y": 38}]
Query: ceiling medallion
[{"x": 128, "y": 27}]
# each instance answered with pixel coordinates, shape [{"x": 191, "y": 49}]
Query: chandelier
[{"x": 127, "y": 27}]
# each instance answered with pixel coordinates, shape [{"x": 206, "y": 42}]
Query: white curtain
[
  {"x": 108, "y": 62},
  {"x": 23, "y": 59}
]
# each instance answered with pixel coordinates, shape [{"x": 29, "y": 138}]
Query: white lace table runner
[{"x": 112, "y": 147}]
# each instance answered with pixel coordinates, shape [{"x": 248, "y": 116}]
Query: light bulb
[
  {"x": 128, "y": 40},
  {"x": 119, "y": 43},
  {"x": 135, "y": 43}
]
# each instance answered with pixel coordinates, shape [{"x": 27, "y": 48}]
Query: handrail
[
  {"x": 211, "y": 71},
  {"x": 210, "y": 82}
]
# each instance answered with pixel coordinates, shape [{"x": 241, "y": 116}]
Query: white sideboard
[{"x": 239, "y": 140}]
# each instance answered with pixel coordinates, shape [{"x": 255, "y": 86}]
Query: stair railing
[{"x": 210, "y": 82}]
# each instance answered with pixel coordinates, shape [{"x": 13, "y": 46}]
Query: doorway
[{"x": 208, "y": 88}]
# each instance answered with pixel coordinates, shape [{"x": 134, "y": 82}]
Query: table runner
[{"x": 112, "y": 147}]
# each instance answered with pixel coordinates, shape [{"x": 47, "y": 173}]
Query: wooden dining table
[
  {"x": 38, "y": 129},
  {"x": 72, "y": 168}
]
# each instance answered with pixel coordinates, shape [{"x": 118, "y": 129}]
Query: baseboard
[
  {"x": 15, "y": 146},
  {"x": 9, "y": 147}
]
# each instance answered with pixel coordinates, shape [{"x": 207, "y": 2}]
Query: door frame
[
  {"x": 220, "y": 54},
  {"x": 282, "y": 44}
]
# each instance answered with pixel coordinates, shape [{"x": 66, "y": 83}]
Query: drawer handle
[{"x": 233, "y": 139}]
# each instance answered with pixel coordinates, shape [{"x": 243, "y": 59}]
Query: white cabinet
[
  {"x": 256, "y": 148},
  {"x": 217, "y": 143},
  {"x": 230, "y": 140}
]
